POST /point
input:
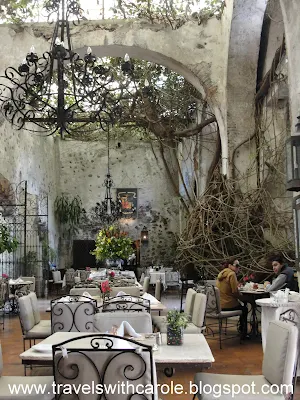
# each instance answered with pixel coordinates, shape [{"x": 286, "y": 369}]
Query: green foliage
[
  {"x": 7, "y": 242},
  {"x": 17, "y": 11},
  {"x": 112, "y": 243},
  {"x": 48, "y": 253},
  {"x": 68, "y": 212},
  {"x": 177, "y": 319}
]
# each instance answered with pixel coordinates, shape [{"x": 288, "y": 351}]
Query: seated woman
[
  {"x": 284, "y": 276},
  {"x": 229, "y": 294}
]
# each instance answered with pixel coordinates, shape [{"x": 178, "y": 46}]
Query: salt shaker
[{"x": 158, "y": 339}]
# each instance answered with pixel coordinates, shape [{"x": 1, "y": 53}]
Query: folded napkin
[
  {"x": 152, "y": 299},
  {"x": 121, "y": 293},
  {"x": 126, "y": 328},
  {"x": 86, "y": 294}
]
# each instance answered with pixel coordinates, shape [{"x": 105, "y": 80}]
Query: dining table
[
  {"x": 250, "y": 296},
  {"x": 194, "y": 353}
]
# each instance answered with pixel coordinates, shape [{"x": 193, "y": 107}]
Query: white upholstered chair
[
  {"x": 32, "y": 325},
  {"x": 158, "y": 290},
  {"x": 75, "y": 314},
  {"x": 198, "y": 315},
  {"x": 57, "y": 281},
  {"x": 160, "y": 322},
  {"x": 8, "y": 381},
  {"x": 279, "y": 366},
  {"x": 79, "y": 291},
  {"x": 146, "y": 284},
  {"x": 132, "y": 290},
  {"x": 141, "y": 322},
  {"x": 104, "y": 360}
]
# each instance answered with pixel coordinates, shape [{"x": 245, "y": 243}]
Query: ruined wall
[{"x": 83, "y": 167}]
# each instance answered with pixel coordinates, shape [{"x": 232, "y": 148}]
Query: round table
[{"x": 251, "y": 297}]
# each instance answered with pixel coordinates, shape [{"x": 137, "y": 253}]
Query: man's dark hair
[{"x": 277, "y": 258}]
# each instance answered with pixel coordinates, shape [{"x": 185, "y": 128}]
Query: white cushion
[{"x": 141, "y": 322}]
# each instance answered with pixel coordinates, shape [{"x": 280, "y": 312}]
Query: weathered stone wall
[{"x": 83, "y": 167}]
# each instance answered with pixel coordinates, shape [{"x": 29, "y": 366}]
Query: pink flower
[
  {"x": 89, "y": 279},
  {"x": 88, "y": 268},
  {"x": 246, "y": 279},
  {"x": 112, "y": 274},
  {"x": 105, "y": 287},
  {"x": 5, "y": 276}
]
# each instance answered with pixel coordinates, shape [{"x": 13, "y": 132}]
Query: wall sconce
[
  {"x": 144, "y": 235},
  {"x": 293, "y": 161}
]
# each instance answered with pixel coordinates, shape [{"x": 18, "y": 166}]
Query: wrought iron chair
[
  {"x": 105, "y": 362},
  {"x": 278, "y": 369},
  {"x": 73, "y": 314},
  {"x": 126, "y": 303},
  {"x": 214, "y": 311}
]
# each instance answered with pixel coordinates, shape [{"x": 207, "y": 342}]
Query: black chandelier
[
  {"x": 108, "y": 211},
  {"x": 60, "y": 92}
]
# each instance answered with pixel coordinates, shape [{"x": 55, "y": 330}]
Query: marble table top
[{"x": 194, "y": 350}]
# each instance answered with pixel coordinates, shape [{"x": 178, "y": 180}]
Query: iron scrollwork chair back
[
  {"x": 126, "y": 303},
  {"x": 107, "y": 362},
  {"x": 212, "y": 303},
  {"x": 75, "y": 314}
]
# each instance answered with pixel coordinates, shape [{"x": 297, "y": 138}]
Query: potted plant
[
  {"x": 7, "y": 242},
  {"x": 112, "y": 244},
  {"x": 176, "y": 323}
]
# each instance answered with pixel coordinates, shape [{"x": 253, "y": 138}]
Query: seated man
[
  {"x": 284, "y": 276},
  {"x": 228, "y": 285}
]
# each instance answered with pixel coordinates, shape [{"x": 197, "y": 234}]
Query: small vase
[{"x": 174, "y": 336}]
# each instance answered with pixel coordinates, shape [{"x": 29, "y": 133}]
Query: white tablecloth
[{"x": 154, "y": 276}]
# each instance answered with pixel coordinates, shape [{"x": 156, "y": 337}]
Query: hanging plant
[
  {"x": 7, "y": 242},
  {"x": 68, "y": 212}
]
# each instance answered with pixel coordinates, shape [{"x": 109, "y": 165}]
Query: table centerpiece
[{"x": 176, "y": 323}]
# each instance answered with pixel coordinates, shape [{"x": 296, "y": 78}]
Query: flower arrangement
[
  {"x": 177, "y": 322},
  {"x": 111, "y": 275},
  {"x": 112, "y": 243},
  {"x": 249, "y": 278},
  {"x": 5, "y": 276},
  {"x": 105, "y": 288}
]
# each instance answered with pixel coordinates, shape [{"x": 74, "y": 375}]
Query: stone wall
[{"x": 83, "y": 167}]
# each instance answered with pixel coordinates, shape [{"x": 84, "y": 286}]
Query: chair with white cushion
[
  {"x": 131, "y": 290},
  {"x": 106, "y": 361},
  {"x": 160, "y": 322},
  {"x": 146, "y": 284},
  {"x": 279, "y": 368},
  {"x": 198, "y": 316},
  {"x": 6, "y": 382},
  {"x": 57, "y": 281},
  {"x": 158, "y": 290},
  {"x": 32, "y": 325},
  {"x": 93, "y": 291},
  {"x": 141, "y": 322}
]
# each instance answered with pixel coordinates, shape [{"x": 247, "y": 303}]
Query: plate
[{"x": 42, "y": 348}]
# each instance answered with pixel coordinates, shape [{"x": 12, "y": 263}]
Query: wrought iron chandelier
[
  {"x": 60, "y": 92},
  {"x": 108, "y": 211}
]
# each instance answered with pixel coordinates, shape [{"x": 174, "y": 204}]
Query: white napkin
[
  {"x": 124, "y": 328},
  {"x": 87, "y": 295},
  {"x": 65, "y": 299},
  {"x": 121, "y": 293},
  {"x": 152, "y": 299}
]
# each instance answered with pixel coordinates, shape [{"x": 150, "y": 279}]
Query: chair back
[
  {"x": 141, "y": 322},
  {"x": 29, "y": 279},
  {"x": 26, "y": 315},
  {"x": 4, "y": 291},
  {"x": 146, "y": 284},
  {"x": 73, "y": 314},
  {"x": 105, "y": 361},
  {"x": 56, "y": 276},
  {"x": 189, "y": 301},
  {"x": 199, "y": 310},
  {"x": 158, "y": 290},
  {"x": 281, "y": 353},
  {"x": 213, "y": 303},
  {"x": 126, "y": 303},
  {"x": 70, "y": 277},
  {"x": 91, "y": 290},
  {"x": 84, "y": 275},
  {"x": 131, "y": 290}
]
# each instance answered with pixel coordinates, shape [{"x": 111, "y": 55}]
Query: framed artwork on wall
[{"x": 128, "y": 200}]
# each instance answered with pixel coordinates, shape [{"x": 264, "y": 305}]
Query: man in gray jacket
[{"x": 284, "y": 276}]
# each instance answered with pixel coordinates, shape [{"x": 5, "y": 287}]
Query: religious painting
[{"x": 128, "y": 200}]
